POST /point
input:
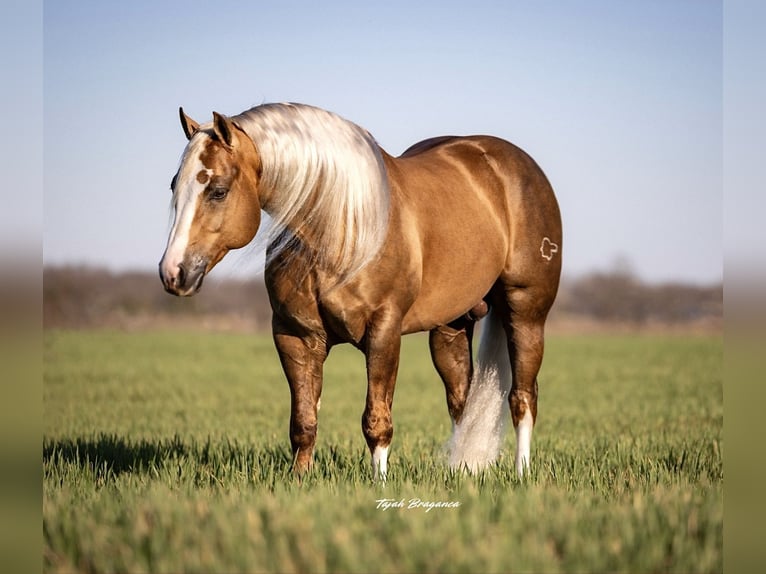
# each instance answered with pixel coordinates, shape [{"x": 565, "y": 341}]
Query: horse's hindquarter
[{"x": 481, "y": 208}]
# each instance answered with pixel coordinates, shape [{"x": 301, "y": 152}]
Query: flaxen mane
[{"x": 325, "y": 181}]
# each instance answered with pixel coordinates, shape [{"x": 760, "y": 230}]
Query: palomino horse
[{"x": 364, "y": 247}]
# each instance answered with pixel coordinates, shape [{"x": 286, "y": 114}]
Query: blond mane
[{"x": 324, "y": 184}]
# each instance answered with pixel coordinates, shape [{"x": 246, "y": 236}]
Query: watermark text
[{"x": 414, "y": 504}]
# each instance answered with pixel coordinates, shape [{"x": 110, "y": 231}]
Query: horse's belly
[{"x": 456, "y": 290}]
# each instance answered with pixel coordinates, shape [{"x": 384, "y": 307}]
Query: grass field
[{"x": 168, "y": 452}]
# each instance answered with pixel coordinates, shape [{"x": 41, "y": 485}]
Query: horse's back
[
  {"x": 426, "y": 145},
  {"x": 478, "y": 173}
]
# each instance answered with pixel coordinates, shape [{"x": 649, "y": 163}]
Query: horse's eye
[{"x": 218, "y": 193}]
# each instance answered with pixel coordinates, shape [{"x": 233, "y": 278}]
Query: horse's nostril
[{"x": 181, "y": 275}]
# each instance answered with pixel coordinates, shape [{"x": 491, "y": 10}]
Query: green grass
[{"x": 168, "y": 452}]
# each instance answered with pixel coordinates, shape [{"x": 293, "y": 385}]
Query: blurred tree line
[
  {"x": 82, "y": 297},
  {"x": 620, "y": 296}
]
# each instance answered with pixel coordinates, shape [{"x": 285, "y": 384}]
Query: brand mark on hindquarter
[{"x": 548, "y": 248}]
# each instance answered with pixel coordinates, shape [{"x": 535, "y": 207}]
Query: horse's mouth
[
  {"x": 196, "y": 285},
  {"x": 185, "y": 283}
]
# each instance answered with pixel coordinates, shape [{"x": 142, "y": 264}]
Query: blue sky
[{"x": 620, "y": 102}]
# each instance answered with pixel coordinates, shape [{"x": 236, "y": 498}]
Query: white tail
[{"x": 477, "y": 439}]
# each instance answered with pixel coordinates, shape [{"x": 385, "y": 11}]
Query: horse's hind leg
[
  {"x": 525, "y": 328},
  {"x": 451, "y": 353},
  {"x": 526, "y": 358}
]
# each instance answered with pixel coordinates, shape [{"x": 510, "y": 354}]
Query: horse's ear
[
  {"x": 189, "y": 126},
  {"x": 223, "y": 129}
]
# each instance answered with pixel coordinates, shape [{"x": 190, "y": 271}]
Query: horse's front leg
[
  {"x": 302, "y": 361},
  {"x": 383, "y": 341}
]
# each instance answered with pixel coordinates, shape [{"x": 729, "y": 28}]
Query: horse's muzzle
[{"x": 181, "y": 280}]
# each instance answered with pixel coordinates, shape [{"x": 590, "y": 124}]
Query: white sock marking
[
  {"x": 380, "y": 462},
  {"x": 523, "y": 442}
]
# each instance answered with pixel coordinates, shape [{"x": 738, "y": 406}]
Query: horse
[{"x": 364, "y": 247}]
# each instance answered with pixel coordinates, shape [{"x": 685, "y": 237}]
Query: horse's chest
[
  {"x": 345, "y": 318},
  {"x": 294, "y": 304},
  {"x": 338, "y": 315}
]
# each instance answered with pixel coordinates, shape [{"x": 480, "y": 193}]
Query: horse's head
[{"x": 215, "y": 201}]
